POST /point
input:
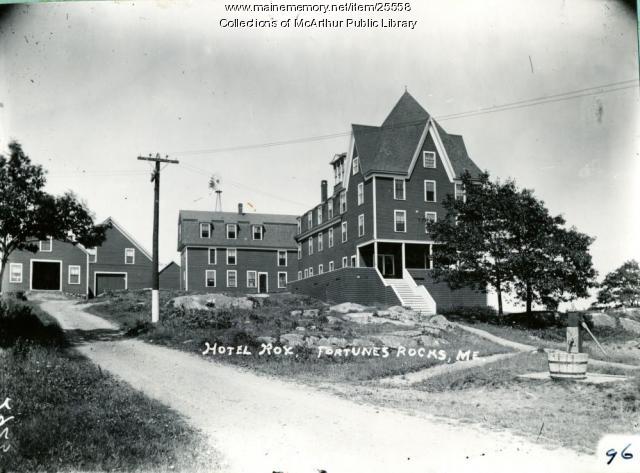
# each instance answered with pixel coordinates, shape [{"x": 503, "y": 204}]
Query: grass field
[{"x": 69, "y": 415}]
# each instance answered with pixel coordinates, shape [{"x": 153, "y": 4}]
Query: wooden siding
[
  {"x": 170, "y": 277},
  {"x": 259, "y": 260},
  {"x": 359, "y": 285},
  {"x": 66, "y": 252},
  {"x": 444, "y": 296},
  {"x": 111, "y": 260},
  {"x": 414, "y": 205}
]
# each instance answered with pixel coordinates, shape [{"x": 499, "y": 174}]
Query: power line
[{"x": 585, "y": 92}]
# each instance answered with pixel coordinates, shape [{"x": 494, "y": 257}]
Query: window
[
  {"x": 429, "y": 159},
  {"x": 46, "y": 245},
  {"x": 74, "y": 274},
  {"x": 429, "y": 191},
  {"x": 306, "y": 273},
  {"x": 299, "y": 275},
  {"x": 360, "y": 225},
  {"x": 282, "y": 257},
  {"x": 398, "y": 189},
  {"x": 429, "y": 217},
  {"x": 319, "y": 215},
  {"x": 93, "y": 254},
  {"x": 460, "y": 193},
  {"x": 299, "y": 250},
  {"x": 129, "y": 255},
  {"x": 232, "y": 256},
  {"x": 299, "y": 222},
  {"x": 345, "y": 261},
  {"x": 331, "y": 238},
  {"x": 310, "y": 272},
  {"x": 15, "y": 272},
  {"x": 205, "y": 230},
  {"x": 282, "y": 280},
  {"x": 355, "y": 165},
  {"x": 344, "y": 232},
  {"x": 310, "y": 220},
  {"x": 210, "y": 278},
  {"x": 361, "y": 193},
  {"x": 400, "y": 220},
  {"x": 252, "y": 279},
  {"x": 353, "y": 261},
  {"x": 232, "y": 231},
  {"x": 232, "y": 278},
  {"x": 343, "y": 202},
  {"x": 310, "y": 245},
  {"x": 213, "y": 256},
  {"x": 330, "y": 209},
  {"x": 320, "y": 269},
  {"x": 331, "y": 266},
  {"x": 257, "y": 231},
  {"x": 320, "y": 241}
]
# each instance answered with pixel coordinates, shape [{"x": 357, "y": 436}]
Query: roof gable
[
  {"x": 125, "y": 234},
  {"x": 405, "y": 112}
]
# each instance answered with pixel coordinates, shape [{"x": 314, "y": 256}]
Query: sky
[{"x": 86, "y": 87}]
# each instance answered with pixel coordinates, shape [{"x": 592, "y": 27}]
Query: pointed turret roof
[{"x": 406, "y": 111}]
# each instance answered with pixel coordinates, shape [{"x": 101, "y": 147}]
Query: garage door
[
  {"x": 46, "y": 276},
  {"x": 110, "y": 282}
]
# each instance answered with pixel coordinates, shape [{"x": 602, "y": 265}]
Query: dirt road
[{"x": 265, "y": 425}]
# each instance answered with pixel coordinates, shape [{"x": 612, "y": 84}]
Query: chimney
[
  {"x": 240, "y": 212},
  {"x": 323, "y": 191}
]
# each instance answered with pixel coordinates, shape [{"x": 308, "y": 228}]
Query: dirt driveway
[{"x": 261, "y": 424}]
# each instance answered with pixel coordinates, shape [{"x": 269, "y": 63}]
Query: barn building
[
  {"x": 236, "y": 252},
  {"x": 119, "y": 263},
  {"x": 366, "y": 241}
]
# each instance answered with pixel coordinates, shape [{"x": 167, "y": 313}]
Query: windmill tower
[{"x": 215, "y": 185}]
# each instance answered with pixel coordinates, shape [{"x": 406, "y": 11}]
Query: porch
[{"x": 392, "y": 258}]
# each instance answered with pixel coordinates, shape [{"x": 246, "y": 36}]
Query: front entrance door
[
  {"x": 386, "y": 266},
  {"x": 263, "y": 283}
]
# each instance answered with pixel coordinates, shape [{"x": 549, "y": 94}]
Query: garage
[
  {"x": 110, "y": 282},
  {"x": 46, "y": 275}
]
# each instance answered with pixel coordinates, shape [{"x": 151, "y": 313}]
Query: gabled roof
[
  {"x": 121, "y": 229},
  {"x": 235, "y": 217},
  {"x": 168, "y": 265},
  {"x": 391, "y": 148}
]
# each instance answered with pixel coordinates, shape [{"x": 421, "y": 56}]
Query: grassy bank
[
  {"x": 69, "y": 415},
  {"x": 188, "y": 331}
]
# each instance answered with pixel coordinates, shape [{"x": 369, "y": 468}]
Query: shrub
[
  {"x": 475, "y": 313},
  {"x": 19, "y": 322}
]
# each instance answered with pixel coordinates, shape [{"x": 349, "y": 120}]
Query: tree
[
  {"x": 473, "y": 247},
  {"x": 504, "y": 238},
  {"x": 29, "y": 214},
  {"x": 622, "y": 286}
]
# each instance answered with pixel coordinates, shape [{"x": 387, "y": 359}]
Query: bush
[
  {"x": 474, "y": 313},
  {"x": 19, "y": 322}
]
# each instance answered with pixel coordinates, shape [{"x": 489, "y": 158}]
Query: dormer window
[
  {"x": 338, "y": 168},
  {"x": 343, "y": 202},
  {"x": 429, "y": 159},
  {"x": 355, "y": 166},
  {"x": 310, "y": 219},
  {"x": 330, "y": 209},
  {"x": 205, "y": 230},
  {"x": 46, "y": 245},
  {"x": 257, "y": 231},
  {"x": 299, "y": 221},
  {"x": 232, "y": 231},
  {"x": 319, "y": 215}
]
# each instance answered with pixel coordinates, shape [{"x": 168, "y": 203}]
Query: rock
[
  {"x": 428, "y": 341},
  {"x": 382, "y": 313},
  {"x": 360, "y": 317},
  {"x": 333, "y": 342},
  {"x": 394, "y": 341},
  {"x": 332, "y": 320},
  {"x": 210, "y": 302},
  {"x": 292, "y": 339},
  {"x": 311, "y": 342},
  {"x": 266, "y": 340},
  {"x": 601, "y": 319},
  {"x": 431, "y": 330},
  {"x": 362, "y": 342},
  {"x": 347, "y": 307},
  {"x": 630, "y": 325},
  {"x": 441, "y": 322},
  {"x": 310, "y": 313},
  {"x": 301, "y": 329},
  {"x": 295, "y": 313}
]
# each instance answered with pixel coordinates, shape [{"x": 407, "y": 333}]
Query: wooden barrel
[{"x": 563, "y": 365}]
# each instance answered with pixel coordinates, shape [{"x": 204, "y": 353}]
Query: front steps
[{"x": 412, "y": 296}]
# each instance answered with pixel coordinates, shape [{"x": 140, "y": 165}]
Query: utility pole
[{"x": 155, "y": 178}]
